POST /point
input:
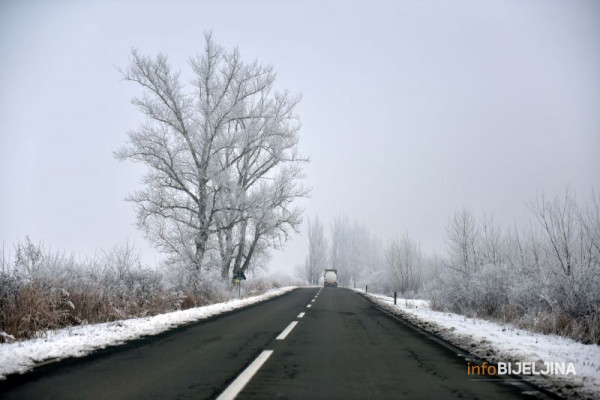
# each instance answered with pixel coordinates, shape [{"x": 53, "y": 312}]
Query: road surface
[{"x": 340, "y": 347}]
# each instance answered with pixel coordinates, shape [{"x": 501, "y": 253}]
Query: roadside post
[
  {"x": 366, "y": 288},
  {"x": 395, "y": 297},
  {"x": 238, "y": 277}
]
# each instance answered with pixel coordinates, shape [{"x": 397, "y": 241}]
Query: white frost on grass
[
  {"x": 504, "y": 342},
  {"x": 78, "y": 341}
]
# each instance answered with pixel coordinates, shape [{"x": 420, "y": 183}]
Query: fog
[{"x": 410, "y": 110}]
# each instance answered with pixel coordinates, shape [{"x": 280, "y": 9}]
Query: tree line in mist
[{"x": 544, "y": 275}]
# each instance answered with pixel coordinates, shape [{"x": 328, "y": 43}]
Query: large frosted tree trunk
[
  {"x": 226, "y": 248},
  {"x": 241, "y": 246},
  {"x": 251, "y": 250}
]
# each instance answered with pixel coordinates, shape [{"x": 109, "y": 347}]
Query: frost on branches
[{"x": 222, "y": 158}]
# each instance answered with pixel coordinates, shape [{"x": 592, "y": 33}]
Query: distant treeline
[{"x": 545, "y": 277}]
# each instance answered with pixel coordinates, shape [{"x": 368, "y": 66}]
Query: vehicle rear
[{"x": 330, "y": 278}]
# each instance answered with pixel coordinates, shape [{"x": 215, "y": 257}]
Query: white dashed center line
[
  {"x": 238, "y": 384},
  {"x": 286, "y": 331},
  {"x": 242, "y": 380}
]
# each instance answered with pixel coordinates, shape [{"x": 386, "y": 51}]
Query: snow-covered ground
[
  {"x": 81, "y": 340},
  {"x": 496, "y": 342}
]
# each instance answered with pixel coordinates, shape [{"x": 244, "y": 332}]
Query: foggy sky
[{"x": 411, "y": 109}]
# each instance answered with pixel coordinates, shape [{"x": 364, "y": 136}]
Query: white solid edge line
[
  {"x": 308, "y": 306},
  {"x": 242, "y": 380},
  {"x": 300, "y": 315},
  {"x": 286, "y": 331}
]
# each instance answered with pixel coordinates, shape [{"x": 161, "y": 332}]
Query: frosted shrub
[
  {"x": 549, "y": 281},
  {"x": 43, "y": 289}
]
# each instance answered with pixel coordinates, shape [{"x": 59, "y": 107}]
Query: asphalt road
[{"x": 341, "y": 348}]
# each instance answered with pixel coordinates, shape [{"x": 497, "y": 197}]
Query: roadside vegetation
[
  {"x": 544, "y": 276},
  {"x": 42, "y": 289}
]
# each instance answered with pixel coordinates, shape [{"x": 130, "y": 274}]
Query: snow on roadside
[
  {"x": 78, "y": 341},
  {"x": 497, "y": 342}
]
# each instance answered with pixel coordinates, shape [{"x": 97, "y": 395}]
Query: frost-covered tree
[
  {"x": 490, "y": 241},
  {"x": 341, "y": 250},
  {"x": 463, "y": 242},
  {"x": 404, "y": 262},
  {"x": 559, "y": 221},
  {"x": 272, "y": 218},
  {"x": 211, "y": 148},
  {"x": 264, "y": 185},
  {"x": 316, "y": 260},
  {"x": 352, "y": 251}
]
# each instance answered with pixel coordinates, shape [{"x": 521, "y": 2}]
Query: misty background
[{"x": 410, "y": 110}]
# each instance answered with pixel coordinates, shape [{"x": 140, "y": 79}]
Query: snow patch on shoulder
[
  {"x": 496, "y": 342},
  {"x": 78, "y": 341}
]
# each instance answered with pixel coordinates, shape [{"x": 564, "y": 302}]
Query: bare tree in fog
[
  {"x": 490, "y": 241},
  {"x": 404, "y": 262},
  {"x": 212, "y": 152},
  {"x": 352, "y": 250},
  {"x": 558, "y": 219},
  {"x": 462, "y": 241},
  {"x": 272, "y": 218},
  {"x": 316, "y": 260}
]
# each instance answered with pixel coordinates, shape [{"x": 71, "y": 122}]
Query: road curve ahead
[{"x": 308, "y": 344}]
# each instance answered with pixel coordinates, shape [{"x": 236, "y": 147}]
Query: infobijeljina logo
[{"x": 521, "y": 368}]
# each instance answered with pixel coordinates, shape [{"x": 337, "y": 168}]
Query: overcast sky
[{"x": 411, "y": 109}]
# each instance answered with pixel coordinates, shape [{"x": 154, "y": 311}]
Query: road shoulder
[
  {"x": 62, "y": 345},
  {"x": 478, "y": 348}
]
